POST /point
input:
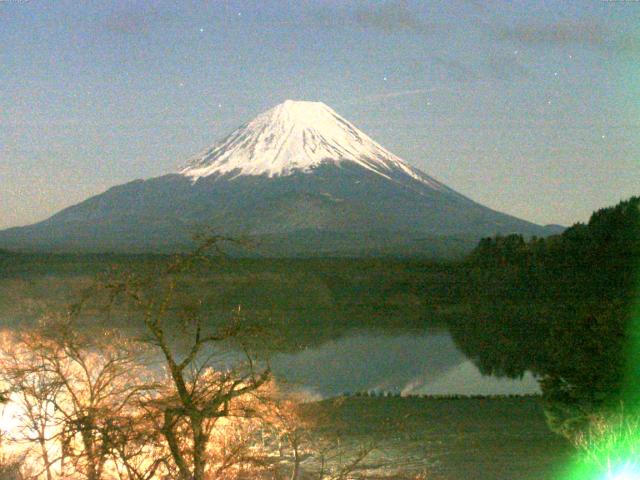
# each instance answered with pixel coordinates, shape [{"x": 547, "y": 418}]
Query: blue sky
[{"x": 531, "y": 108}]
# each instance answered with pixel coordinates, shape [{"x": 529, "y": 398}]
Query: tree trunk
[
  {"x": 199, "y": 449},
  {"x": 174, "y": 447},
  {"x": 295, "y": 474},
  {"x": 45, "y": 457}
]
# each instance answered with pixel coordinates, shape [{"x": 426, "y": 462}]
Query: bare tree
[
  {"x": 12, "y": 465},
  {"x": 28, "y": 384},
  {"x": 76, "y": 391},
  {"x": 203, "y": 374},
  {"x": 182, "y": 398}
]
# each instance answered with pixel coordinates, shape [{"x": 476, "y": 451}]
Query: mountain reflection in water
[{"x": 428, "y": 363}]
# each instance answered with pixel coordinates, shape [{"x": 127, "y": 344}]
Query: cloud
[
  {"x": 499, "y": 66},
  {"x": 389, "y": 16},
  {"x": 129, "y": 22},
  {"x": 587, "y": 33},
  {"x": 455, "y": 70},
  {"x": 561, "y": 33},
  {"x": 507, "y": 67},
  {"x": 401, "y": 93},
  {"x": 628, "y": 43}
]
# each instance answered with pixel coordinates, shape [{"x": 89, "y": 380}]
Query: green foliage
[
  {"x": 561, "y": 308},
  {"x": 585, "y": 371},
  {"x": 609, "y": 447},
  {"x": 605, "y": 251}
]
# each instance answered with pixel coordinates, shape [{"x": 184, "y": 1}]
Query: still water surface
[{"x": 427, "y": 363}]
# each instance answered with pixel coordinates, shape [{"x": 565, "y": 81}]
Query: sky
[{"x": 528, "y": 107}]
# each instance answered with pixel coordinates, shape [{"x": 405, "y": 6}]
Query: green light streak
[{"x": 612, "y": 452}]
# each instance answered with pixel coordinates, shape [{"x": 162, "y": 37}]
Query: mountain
[{"x": 298, "y": 179}]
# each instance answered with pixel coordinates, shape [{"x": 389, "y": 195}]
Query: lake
[{"x": 427, "y": 363}]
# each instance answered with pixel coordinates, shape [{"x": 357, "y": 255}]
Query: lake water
[
  {"x": 427, "y": 363},
  {"x": 409, "y": 363}
]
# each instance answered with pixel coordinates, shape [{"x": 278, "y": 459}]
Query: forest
[{"x": 566, "y": 308}]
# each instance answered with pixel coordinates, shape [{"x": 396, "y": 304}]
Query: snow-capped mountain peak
[
  {"x": 296, "y": 136},
  {"x": 299, "y": 179}
]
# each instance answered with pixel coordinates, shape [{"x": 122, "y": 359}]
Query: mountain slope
[{"x": 299, "y": 178}]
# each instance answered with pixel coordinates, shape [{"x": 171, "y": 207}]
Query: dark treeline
[
  {"x": 442, "y": 396},
  {"x": 560, "y": 307},
  {"x": 308, "y": 300}
]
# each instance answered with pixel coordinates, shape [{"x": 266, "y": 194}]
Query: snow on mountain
[
  {"x": 298, "y": 180},
  {"x": 297, "y": 136}
]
